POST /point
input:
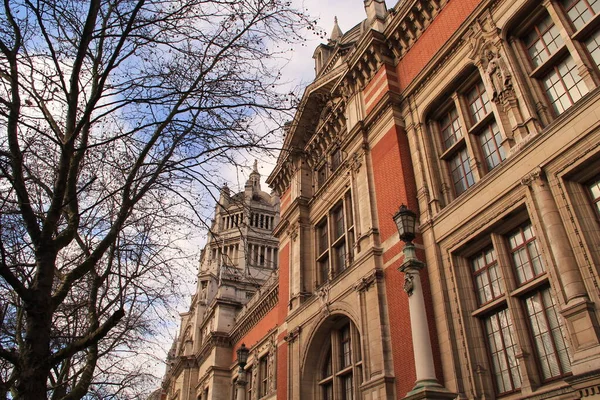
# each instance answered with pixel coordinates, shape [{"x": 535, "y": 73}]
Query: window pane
[
  {"x": 542, "y": 41},
  {"x": 548, "y": 337},
  {"x": 346, "y": 350},
  {"x": 479, "y": 104},
  {"x": 338, "y": 222},
  {"x": 462, "y": 176},
  {"x": 526, "y": 257},
  {"x": 491, "y": 140},
  {"x": 347, "y": 387},
  {"x": 487, "y": 278},
  {"x": 563, "y": 85},
  {"x": 450, "y": 128},
  {"x": 581, "y": 11},
  {"x": 503, "y": 350},
  {"x": 593, "y": 45}
]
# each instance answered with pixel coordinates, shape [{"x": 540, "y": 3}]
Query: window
[
  {"x": 507, "y": 373},
  {"x": 346, "y": 375},
  {"x": 488, "y": 281},
  {"x": 469, "y": 138},
  {"x": 525, "y": 254},
  {"x": 547, "y": 335},
  {"x": 336, "y": 159},
  {"x": 335, "y": 255},
  {"x": 450, "y": 127},
  {"x": 550, "y": 62},
  {"x": 462, "y": 176},
  {"x": 499, "y": 302},
  {"x": 263, "y": 370}
]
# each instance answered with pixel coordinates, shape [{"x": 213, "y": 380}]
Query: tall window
[
  {"x": 263, "y": 371},
  {"x": 469, "y": 138},
  {"x": 335, "y": 240},
  {"x": 496, "y": 313},
  {"x": 550, "y": 62},
  {"x": 547, "y": 335},
  {"x": 484, "y": 126},
  {"x": 339, "y": 380},
  {"x": 525, "y": 254},
  {"x": 503, "y": 349}
]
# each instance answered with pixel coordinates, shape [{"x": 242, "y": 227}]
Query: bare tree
[{"x": 116, "y": 113}]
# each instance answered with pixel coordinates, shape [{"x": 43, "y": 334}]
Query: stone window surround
[
  {"x": 471, "y": 130},
  {"x": 328, "y": 243},
  {"x": 573, "y": 46},
  {"x": 512, "y": 299},
  {"x": 332, "y": 352}
]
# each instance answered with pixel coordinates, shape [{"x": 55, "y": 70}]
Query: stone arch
[{"x": 319, "y": 344}]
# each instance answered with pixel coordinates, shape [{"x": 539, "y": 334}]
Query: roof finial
[
  {"x": 255, "y": 167},
  {"x": 336, "y": 32}
]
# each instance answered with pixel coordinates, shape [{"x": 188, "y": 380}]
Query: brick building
[{"x": 483, "y": 117}]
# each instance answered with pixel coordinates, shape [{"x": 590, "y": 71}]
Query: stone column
[
  {"x": 427, "y": 385},
  {"x": 578, "y": 311},
  {"x": 560, "y": 247},
  {"x": 240, "y": 385}
]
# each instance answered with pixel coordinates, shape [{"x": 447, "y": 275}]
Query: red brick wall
[
  {"x": 434, "y": 37},
  {"x": 258, "y": 331},
  {"x": 394, "y": 184},
  {"x": 385, "y": 80},
  {"x": 393, "y": 178},
  {"x": 282, "y": 361}
]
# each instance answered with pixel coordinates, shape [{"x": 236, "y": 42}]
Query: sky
[{"x": 348, "y": 12}]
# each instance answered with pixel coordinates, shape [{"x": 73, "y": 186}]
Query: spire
[
  {"x": 254, "y": 178},
  {"x": 336, "y": 32}
]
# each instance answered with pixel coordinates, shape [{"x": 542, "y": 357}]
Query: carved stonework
[
  {"x": 498, "y": 77},
  {"x": 293, "y": 232},
  {"x": 323, "y": 294},
  {"x": 408, "y": 284},
  {"x": 292, "y": 335},
  {"x": 272, "y": 366},
  {"x": 531, "y": 177},
  {"x": 368, "y": 280},
  {"x": 355, "y": 162}
]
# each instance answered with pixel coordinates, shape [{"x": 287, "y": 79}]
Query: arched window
[{"x": 339, "y": 374}]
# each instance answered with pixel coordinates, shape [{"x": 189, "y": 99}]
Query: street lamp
[
  {"x": 242, "y": 355},
  {"x": 426, "y": 386},
  {"x": 242, "y": 359}
]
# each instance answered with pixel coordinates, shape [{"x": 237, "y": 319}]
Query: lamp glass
[
  {"x": 242, "y": 355},
  {"x": 405, "y": 220}
]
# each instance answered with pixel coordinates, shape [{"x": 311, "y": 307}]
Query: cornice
[{"x": 253, "y": 314}]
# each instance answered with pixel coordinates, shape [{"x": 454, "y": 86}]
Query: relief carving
[{"x": 498, "y": 75}]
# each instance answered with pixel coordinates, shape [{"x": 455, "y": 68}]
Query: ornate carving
[
  {"x": 323, "y": 294},
  {"x": 355, "y": 162},
  {"x": 409, "y": 285},
  {"x": 498, "y": 75},
  {"x": 292, "y": 335},
  {"x": 534, "y": 175},
  {"x": 293, "y": 232},
  {"x": 368, "y": 280},
  {"x": 272, "y": 366}
]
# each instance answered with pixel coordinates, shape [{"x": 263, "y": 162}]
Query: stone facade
[
  {"x": 237, "y": 274},
  {"x": 483, "y": 116}
]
